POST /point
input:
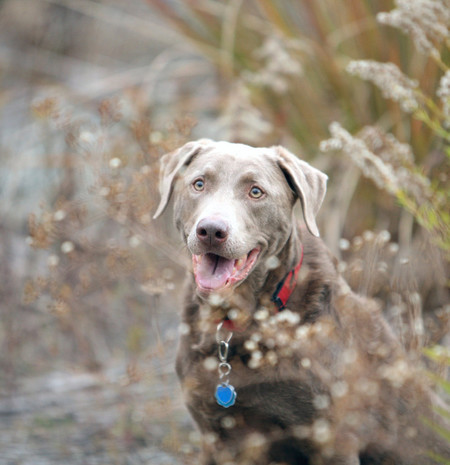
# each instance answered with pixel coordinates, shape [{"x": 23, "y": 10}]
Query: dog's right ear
[{"x": 170, "y": 166}]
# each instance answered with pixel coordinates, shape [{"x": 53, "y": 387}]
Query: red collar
[
  {"x": 282, "y": 293},
  {"x": 286, "y": 287}
]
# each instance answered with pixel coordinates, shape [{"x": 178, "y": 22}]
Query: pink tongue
[{"x": 213, "y": 271}]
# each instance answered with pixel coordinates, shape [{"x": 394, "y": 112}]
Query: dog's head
[{"x": 233, "y": 205}]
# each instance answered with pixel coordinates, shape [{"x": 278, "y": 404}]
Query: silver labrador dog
[{"x": 280, "y": 363}]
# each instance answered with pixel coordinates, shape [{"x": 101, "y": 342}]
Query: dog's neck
[{"x": 288, "y": 259}]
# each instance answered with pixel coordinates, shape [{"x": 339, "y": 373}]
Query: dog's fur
[{"x": 322, "y": 382}]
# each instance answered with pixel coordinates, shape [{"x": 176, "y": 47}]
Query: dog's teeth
[
  {"x": 240, "y": 263},
  {"x": 197, "y": 259}
]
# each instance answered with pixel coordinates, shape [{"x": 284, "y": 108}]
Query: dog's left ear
[
  {"x": 171, "y": 166},
  {"x": 307, "y": 182}
]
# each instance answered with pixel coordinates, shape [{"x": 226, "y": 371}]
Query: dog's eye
[
  {"x": 198, "y": 184},
  {"x": 256, "y": 192}
]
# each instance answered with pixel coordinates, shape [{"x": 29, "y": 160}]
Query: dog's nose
[{"x": 212, "y": 231}]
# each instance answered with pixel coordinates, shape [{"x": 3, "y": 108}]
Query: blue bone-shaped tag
[{"x": 225, "y": 395}]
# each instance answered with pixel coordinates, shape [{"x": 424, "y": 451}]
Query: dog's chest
[
  {"x": 266, "y": 397},
  {"x": 199, "y": 372}
]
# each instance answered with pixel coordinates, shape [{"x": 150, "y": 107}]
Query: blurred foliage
[
  {"x": 440, "y": 356},
  {"x": 291, "y": 57},
  {"x": 101, "y": 277},
  {"x": 262, "y": 72}
]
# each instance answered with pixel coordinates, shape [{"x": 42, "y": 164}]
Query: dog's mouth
[{"x": 214, "y": 273}]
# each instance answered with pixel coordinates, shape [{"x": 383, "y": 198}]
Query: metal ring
[
  {"x": 223, "y": 351},
  {"x": 224, "y": 369},
  {"x": 218, "y": 336}
]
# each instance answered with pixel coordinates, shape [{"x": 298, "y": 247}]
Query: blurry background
[{"x": 92, "y": 93}]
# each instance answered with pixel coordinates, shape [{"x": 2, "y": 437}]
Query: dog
[{"x": 279, "y": 361}]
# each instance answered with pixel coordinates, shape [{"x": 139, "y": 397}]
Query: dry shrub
[
  {"x": 283, "y": 72},
  {"x": 107, "y": 261}
]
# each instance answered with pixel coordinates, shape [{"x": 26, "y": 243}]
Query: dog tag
[{"x": 225, "y": 395}]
